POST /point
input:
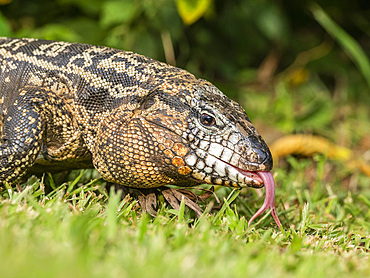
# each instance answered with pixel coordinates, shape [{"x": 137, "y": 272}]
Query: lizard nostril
[{"x": 253, "y": 157}]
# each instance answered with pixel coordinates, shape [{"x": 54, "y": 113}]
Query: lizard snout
[{"x": 258, "y": 154}]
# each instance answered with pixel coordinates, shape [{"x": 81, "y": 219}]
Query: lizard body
[{"x": 141, "y": 123}]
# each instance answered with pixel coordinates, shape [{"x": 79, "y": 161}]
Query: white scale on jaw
[
  {"x": 226, "y": 154},
  {"x": 200, "y": 165},
  {"x": 215, "y": 149}
]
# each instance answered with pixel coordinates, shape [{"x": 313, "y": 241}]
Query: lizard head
[
  {"x": 224, "y": 147},
  {"x": 219, "y": 144},
  {"x": 183, "y": 132}
]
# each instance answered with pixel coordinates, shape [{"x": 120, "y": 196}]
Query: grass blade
[
  {"x": 112, "y": 212},
  {"x": 349, "y": 45}
]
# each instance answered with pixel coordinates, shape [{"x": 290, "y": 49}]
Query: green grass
[{"x": 78, "y": 231}]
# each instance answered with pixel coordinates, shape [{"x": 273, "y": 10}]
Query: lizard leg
[
  {"x": 147, "y": 198},
  {"x": 38, "y": 134},
  {"x": 21, "y": 140}
]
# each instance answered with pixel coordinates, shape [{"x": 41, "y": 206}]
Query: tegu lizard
[{"x": 141, "y": 123}]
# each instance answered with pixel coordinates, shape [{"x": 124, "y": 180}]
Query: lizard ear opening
[{"x": 148, "y": 102}]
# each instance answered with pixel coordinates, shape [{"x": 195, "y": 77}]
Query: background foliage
[
  {"x": 277, "y": 49},
  {"x": 295, "y": 66}
]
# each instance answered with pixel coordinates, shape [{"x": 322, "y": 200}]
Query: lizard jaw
[
  {"x": 230, "y": 175},
  {"x": 252, "y": 176}
]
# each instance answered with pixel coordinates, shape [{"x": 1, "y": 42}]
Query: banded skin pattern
[{"x": 141, "y": 123}]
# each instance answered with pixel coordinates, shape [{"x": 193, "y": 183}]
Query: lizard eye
[{"x": 207, "y": 120}]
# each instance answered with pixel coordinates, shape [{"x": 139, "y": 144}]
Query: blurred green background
[{"x": 295, "y": 66}]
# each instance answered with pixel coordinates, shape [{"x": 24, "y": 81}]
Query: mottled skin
[{"x": 141, "y": 123}]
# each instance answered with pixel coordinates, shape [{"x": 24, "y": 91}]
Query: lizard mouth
[
  {"x": 256, "y": 180},
  {"x": 249, "y": 178}
]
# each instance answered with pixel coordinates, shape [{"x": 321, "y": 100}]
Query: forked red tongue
[{"x": 269, "y": 182}]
